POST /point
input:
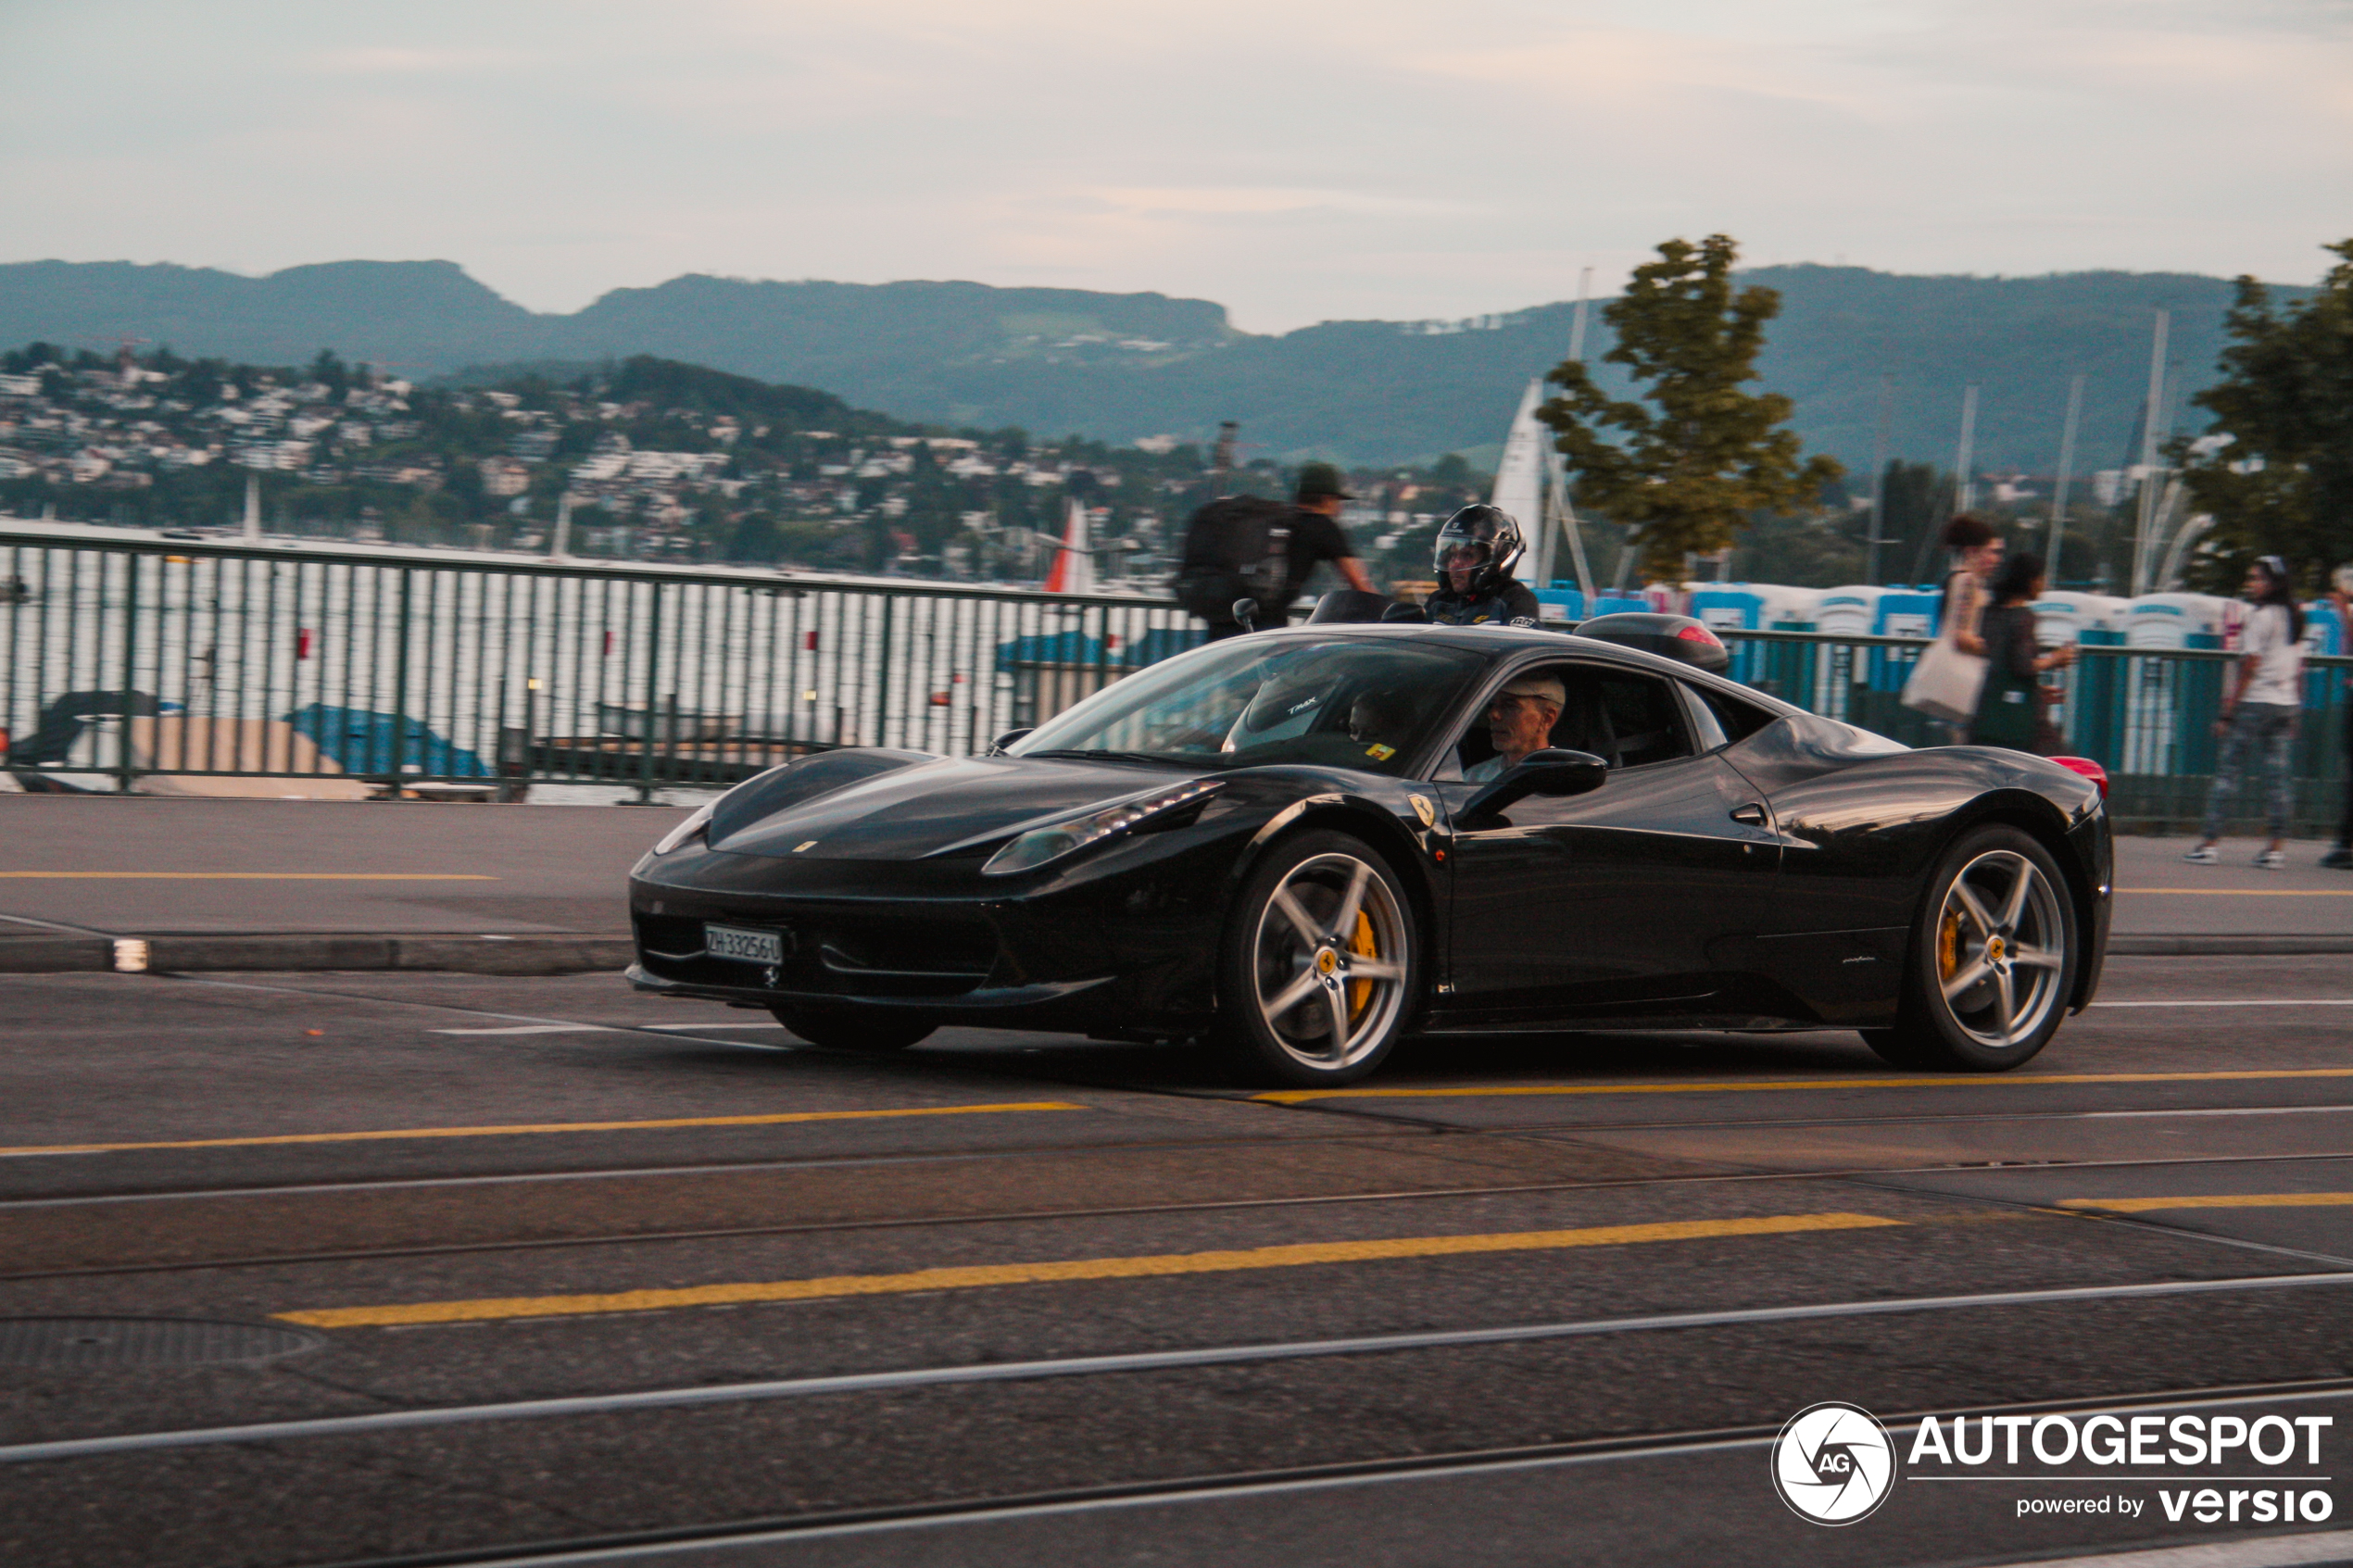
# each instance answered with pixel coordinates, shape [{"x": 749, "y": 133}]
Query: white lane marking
[
  {"x": 534, "y": 1029},
  {"x": 1225, "y": 1355},
  {"x": 2300, "y": 1002},
  {"x": 698, "y": 1028}
]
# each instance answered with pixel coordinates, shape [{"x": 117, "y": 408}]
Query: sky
[{"x": 1295, "y": 161}]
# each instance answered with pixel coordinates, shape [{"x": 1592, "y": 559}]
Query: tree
[
  {"x": 2282, "y": 483},
  {"x": 1706, "y": 455}
]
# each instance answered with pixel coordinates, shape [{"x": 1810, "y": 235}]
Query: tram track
[
  {"x": 584, "y": 1551},
  {"x": 1860, "y": 1174}
]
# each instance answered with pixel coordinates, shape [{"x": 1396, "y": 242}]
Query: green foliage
[
  {"x": 2283, "y": 483},
  {"x": 1705, "y": 455}
]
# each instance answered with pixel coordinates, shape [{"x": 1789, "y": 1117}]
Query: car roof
[{"x": 1506, "y": 641}]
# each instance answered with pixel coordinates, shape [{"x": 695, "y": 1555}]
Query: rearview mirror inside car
[{"x": 1540, "y": 772}]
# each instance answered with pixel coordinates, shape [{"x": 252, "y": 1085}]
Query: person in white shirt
[
  {"x": 2261, "y": 717},
  {"x": 1519, "y": 721}
]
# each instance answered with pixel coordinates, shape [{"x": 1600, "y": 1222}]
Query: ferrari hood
[{"x": 910, "y": 813}]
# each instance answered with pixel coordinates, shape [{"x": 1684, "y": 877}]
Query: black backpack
[{"x": 1236, "y": 547}]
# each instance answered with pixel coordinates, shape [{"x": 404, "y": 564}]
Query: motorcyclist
[{"x": 1477, "y": 552}]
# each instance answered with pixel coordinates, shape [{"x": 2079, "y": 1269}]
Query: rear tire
[
  {"x": 1992, "y": 959},
  {"x": 842, "y": 1031},
  {"x": 1319, "y": 968}
]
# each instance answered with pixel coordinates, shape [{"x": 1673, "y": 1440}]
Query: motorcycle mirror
[{"x": 1246, "y": 613}]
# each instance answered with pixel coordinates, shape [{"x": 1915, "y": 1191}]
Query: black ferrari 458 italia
[{"x": 1302, "y": 846}]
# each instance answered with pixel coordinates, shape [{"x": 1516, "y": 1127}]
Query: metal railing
[
  {"x": 184, "y": 662},
  {"x": 214, "y": 668}
]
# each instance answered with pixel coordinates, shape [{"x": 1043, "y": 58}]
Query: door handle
[{"x": 1752, "y": 813}]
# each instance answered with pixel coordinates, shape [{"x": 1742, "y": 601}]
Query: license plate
[{"x": 749, "y": 947}]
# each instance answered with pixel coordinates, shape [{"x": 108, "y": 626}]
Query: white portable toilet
[
  {"x": 2180, "y": 621},
  {"x": 2063, "y": 617},
  {"x": 1848, "y": 612},
  {"x": 1751, "y": 607}
]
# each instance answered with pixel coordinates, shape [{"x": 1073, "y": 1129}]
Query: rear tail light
[
  {"x": 1698, "y": 634},
  {"x": 2088, "y": 768}
]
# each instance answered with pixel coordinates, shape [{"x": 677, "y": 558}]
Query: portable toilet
[
  {"x": 1609, "y": 601},
  {"x": 1562, "y": 604},
  {"x": 2066, "y": 616},
  {"x": 2178, "y": 620},
  {"x": 2089, "y": 717},
  {"x": 2172, "y": 704},
  {"x": 1752, "y": 606}
]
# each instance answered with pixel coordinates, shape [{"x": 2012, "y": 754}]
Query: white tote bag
[{"x": 1945, "y": 682}]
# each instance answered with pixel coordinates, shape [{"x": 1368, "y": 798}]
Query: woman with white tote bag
[{"x": 1950, "y": 674}]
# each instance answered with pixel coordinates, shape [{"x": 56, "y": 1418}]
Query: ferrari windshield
[{"x": 1346, "y": 702}]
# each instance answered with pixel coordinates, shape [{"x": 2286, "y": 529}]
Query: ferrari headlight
[
  {"x": 1038, "y": 845},
  {"x": 688, "y": 829}
]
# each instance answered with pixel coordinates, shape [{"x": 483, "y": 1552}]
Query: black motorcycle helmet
[{"x": 1491, "y": 532}]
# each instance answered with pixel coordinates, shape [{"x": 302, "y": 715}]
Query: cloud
[{"x": 1296, "y": 162}]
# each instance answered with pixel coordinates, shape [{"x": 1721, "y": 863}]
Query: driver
[
  {"x": 1519, "y": 721},
  {"x": 1477, "y": 552}
]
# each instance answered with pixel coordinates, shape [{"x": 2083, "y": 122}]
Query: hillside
[{"x": 1117, "y": 366}]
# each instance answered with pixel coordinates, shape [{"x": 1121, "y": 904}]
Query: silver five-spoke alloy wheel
[
  {"x": 2001, "y": 949},
  {"x": 1329, "y": 961}
]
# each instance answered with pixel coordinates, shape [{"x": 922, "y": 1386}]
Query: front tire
[
  {"x": 1319, "y": 968},
  {"x": 1994, "y": 955},
  {"x": 842, "y": 1031}
]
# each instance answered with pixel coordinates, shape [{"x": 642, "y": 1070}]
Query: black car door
[{"x": 1611, "y": 902}]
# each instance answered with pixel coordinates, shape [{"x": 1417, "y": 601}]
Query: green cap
[{"x": 1318, "y": 480}]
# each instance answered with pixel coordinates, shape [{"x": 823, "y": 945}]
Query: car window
[
  {"x": 1627, "y": 718},
  {"x": 1738, "y": 720},
  {"x": 1348, "y": 702}
]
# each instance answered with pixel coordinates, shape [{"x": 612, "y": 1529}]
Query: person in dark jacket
[
  {"x": 1477, "y": 551},
  {"x": 2010, "y": 710}
]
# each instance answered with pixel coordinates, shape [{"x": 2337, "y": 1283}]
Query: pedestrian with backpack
[{"x": 1251, "y": 547}]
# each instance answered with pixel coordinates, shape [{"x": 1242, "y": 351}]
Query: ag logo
[{"x": 1833, "y": 1463}]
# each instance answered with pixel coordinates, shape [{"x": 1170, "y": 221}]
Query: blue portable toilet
[
  {"x": 1751, "y": 607},
  {"x": 1562, "y": 604}
]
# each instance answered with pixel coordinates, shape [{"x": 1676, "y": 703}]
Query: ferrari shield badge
[{"x": 1424, "y": 810}]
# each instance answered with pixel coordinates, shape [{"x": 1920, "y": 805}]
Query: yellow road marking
[
  {"x": 1293, "y": 1255},
  {"x": 398, "y": 1133},
  {"x": 2248, "y": 892},
  {"x": 250, "y": 876},
  {"x": 1292, "y": 1096},
  {"x": 2224, "y": 1200}
]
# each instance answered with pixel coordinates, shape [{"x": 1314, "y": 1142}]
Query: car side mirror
[
  {"x": 1555, "y": 773},
  {"x": 1008, "y": 738}
]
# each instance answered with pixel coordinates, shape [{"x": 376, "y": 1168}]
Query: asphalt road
[{"x": 540, "y": 1269}]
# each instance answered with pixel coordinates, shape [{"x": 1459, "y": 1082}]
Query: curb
[{"x": 291, "y": 953}]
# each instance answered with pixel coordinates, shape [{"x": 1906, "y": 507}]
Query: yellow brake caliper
[
  {"x": 1948, "y": 946},
  {"x": 1362, "y": 944}
]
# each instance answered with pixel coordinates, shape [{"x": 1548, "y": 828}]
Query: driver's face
[{"x": 1518, "y": 724}]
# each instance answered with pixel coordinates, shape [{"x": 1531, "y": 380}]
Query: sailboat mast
[
  {"x": 2145, "y": 529},
  {"x": 1964, "y": 468},
  {"x": 1879, "y": 477},
  {"x": 2065, "y": 474}
]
